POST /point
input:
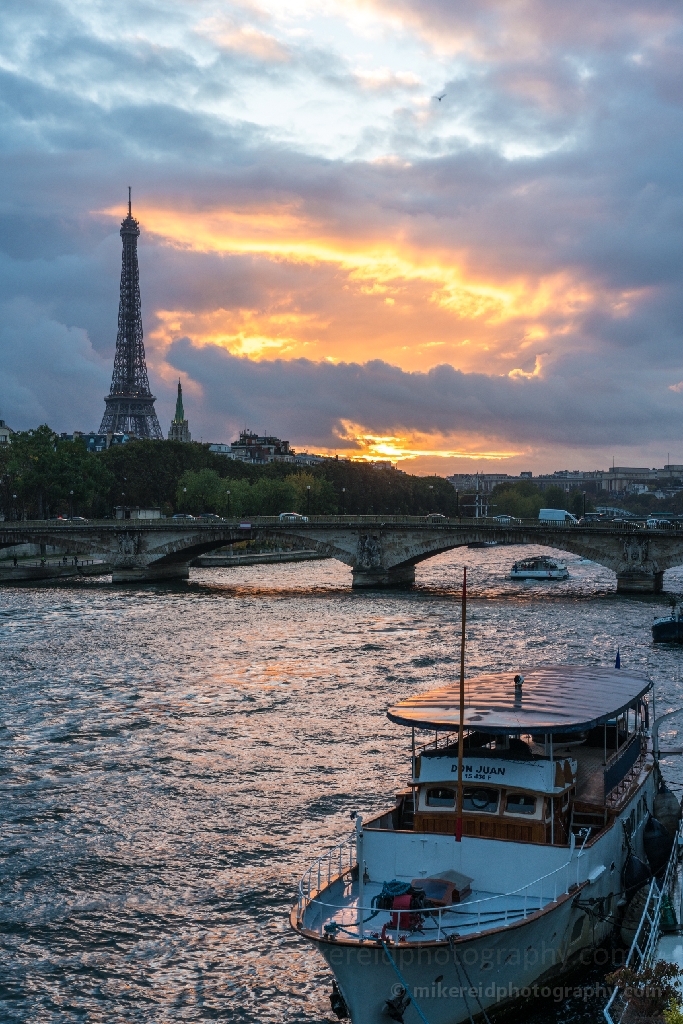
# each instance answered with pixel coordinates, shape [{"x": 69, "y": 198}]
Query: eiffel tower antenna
[{"x": 130, "y": 403}]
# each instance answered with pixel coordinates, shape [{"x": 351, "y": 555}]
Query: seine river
[{"x": 174, "y": 757}]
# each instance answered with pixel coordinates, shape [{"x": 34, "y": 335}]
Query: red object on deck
[
  {"x": 408, "y": 919},
  {"x": 458, "y": 830}
]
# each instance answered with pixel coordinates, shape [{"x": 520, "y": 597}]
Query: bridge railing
[{"x": 234, "y": 522}]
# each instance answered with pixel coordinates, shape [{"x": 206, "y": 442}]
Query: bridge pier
[
  {"x": 379, "y": 578},
  {"x": 639, "y": 582},
  {"x": 148, "y": 573}
]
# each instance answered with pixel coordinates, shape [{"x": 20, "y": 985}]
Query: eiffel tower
[{"x": 130, "y": 403}]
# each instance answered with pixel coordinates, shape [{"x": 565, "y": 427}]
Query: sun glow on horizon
[{"x": 370, "y": 447}]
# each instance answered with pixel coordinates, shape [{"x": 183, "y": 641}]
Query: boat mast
[{"x": 461, "y": 728}]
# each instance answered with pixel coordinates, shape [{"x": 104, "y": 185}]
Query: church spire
[
  {"x": 179, "y": 428},
  {"x": 179, "y": 411}
]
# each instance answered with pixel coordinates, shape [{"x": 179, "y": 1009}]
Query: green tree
[
  {"x": 147, "y": 473},
  {"x": 43, "y": 471},
  {"x": 31, "y": 468},
  {"x": 239, "y": 502},
  {"x": 202, "y": 491},
  {"x": 206, "y": 491},
  {"x": 555, "y": 497},
  {"x": 321, "y": 499},
  {"x": 78, "y": 470},
  {"x": 576, "y": 503},
  {"x": 523, "y": 500},
  {"x": 269, "y": 497}
]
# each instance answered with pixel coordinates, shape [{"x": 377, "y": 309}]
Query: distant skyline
[{"x": 491, "y": 281}]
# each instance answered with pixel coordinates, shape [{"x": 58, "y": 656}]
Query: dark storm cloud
[
  {"x": 313, "y": 401},
  {"x": 48, "y": 371}
]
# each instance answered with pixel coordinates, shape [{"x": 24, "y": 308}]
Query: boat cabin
[{"x": 547, "y": 752}]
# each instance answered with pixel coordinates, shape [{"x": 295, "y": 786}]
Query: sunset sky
[{"x": 487, "y": 281}]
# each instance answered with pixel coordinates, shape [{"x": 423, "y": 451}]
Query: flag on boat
[{"x": 617, "y": 660}]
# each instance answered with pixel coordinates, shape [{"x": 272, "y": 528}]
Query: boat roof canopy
[{"x": 552, "y": 698}]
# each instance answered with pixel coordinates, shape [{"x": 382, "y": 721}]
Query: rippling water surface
[{"x": 174, "y": 757}]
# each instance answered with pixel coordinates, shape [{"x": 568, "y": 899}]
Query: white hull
[
  {"x": 540, "y": 574},
  {"x": 452, "y": 982},
  {"x": 455, "y": 979}
]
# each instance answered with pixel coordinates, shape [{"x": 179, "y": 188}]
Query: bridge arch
[
  {"x": 381, "y": 551},
  {"x": 386, "y": 556}
]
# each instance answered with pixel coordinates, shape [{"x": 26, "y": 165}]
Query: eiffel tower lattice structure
[{"x": 130, "y": 403}]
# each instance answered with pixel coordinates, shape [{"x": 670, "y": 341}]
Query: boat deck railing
[
  {"x": 623, "y": 767},
  {"x": 326, "y": 869},
  {"x": 644, "y": 945},
  {"x": 345, "y": 916}
]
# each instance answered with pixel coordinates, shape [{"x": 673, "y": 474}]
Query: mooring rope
[{"x": 404, "y": 983}]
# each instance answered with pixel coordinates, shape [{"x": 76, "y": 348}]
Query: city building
[
  {"x": 96, "y": 442},
  {"x": 255, "y": 448},
  {"x": 309, "y": 459},
  {"x": 129, "y": 406},
  {"x": 5, "y": 433},
  {"x": 179, "y": 430},
  {"x": 479, "y": 483},
  {"x": 261, "y": 449},
  {"x": 618, "y": 480}
]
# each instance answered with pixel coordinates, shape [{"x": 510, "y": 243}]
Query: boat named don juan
[{"x": 557, "y": 785}]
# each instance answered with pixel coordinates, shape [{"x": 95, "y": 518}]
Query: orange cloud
[
  {"x": 245, "y": 39},
  {"x": 413, "y": 304},
  {"x": 402, "y": 448},
  {"x": 400, "y": 276}
]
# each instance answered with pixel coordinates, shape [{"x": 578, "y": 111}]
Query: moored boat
[
  {"x": 539, "y": 569},
  {"x": 669, "y": 627},
  {"x": 404, "y": 913}
]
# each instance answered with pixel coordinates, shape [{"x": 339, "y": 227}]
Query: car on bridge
[
  {"x": 292, "y": 517},
  {"x": 182, "y": 515},
  {"x": 506, "y": 520}
]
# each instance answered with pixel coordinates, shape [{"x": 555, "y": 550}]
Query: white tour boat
[
  {"x": 441, "y": 913},
  {"x": 539, "y": 569}
]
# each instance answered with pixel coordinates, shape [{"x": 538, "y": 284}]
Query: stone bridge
[{"x": 382, "y": 551}]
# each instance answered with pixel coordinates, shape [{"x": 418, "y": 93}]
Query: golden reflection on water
[{"x": 175, "y": 757}]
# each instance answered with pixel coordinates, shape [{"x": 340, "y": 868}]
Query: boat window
[
  {"x": 441, "y": 797},
  {"x": 480, "y": 799},
  {"x": 520, "y": 803}
]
